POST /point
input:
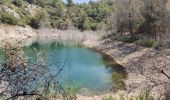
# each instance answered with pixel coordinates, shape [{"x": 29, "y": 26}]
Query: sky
[{"x": 79, "y": 1}]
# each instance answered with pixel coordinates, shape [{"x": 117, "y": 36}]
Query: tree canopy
[{"x": 85, "y": 16}]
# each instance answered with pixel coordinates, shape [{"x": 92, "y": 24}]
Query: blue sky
[{"x": 79, "y": 1}]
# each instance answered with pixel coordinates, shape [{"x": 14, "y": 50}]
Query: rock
[
  {"x": 17, "y": 33},
  {"x": 32, "y": 9}
]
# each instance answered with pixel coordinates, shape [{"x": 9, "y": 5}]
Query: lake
[{"x": 85, "y": 71}]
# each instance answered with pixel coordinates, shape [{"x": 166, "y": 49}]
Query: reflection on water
[{"x": 85, "y": 71}]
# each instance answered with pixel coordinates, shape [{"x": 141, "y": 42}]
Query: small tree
[
  {"x": 8, "y": 18},
  {"x": 70, "y": 2},
  {"x": 18, "y": 3}
]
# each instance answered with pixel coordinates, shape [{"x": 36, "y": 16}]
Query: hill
[{"x": 56, "y": 14}]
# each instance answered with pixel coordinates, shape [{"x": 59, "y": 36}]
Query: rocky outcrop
[
  {"x": 32, "y": 9},
  {"x": 123, "y": 53},
  {"x": 17, "y": 33}
]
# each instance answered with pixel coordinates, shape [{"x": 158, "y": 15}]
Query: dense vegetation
[
  {"x": 144, "y": 22},
  {"x": 56, "y": 14}
]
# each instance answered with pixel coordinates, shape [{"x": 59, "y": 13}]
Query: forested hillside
[
  {"x": 56, "y": 14},
  {"x": 144, "y": 22}
]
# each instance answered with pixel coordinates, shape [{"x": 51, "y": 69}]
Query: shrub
[
  {"x": 18, "y": 3},
  {"x": 5, "y": 2},
  {"x": 110, "y": 97},
  {"x": 86, "y": 25},
  {"x": 94, "y": 26},
  {"x": 147, "y": 43},
  {"x": 30, "y": 1},
  {"x": 8, "y": 18},
  {"x": 145, "y": 96},
  {"x": 40, "y": 18},
  {"x": 128, "y": 39},
  {"x": 25, "y": 21},
  {"x": 124, "y": 38},
  {"x": 35, "y": 23}
]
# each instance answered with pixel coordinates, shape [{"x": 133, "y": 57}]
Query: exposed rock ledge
[
  {"x": 125, "y": 54},
  {"x": 17, "y": 33}
]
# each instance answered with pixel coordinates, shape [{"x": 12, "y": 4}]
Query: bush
[
  {"x": 40, "y": 18},
  {"x": 147, "y": 43},
  {"x": 5, "y": 2},
  {"x": 124, "y": 38},
  {"x": 30, "y": 1},
  {"x": 94, "y": 26},
  {"x": 25, "y": 21},
  {"x": 8, "y": 18},
  {"x": 18, "y": 3},
  {"x": 35, "y": 23}
]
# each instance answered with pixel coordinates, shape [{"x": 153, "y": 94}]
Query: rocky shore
[
  {"x": 127, "y": 54},
  {"x": 123, "y": 53},
  {"x": 14, "y": 34}
]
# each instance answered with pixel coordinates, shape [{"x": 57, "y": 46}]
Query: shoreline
[{"x": 122, "y": 53}]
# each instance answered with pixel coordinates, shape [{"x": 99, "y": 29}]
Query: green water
[{"x": 86, "y": 71}]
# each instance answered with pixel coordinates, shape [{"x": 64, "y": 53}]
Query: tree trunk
[{"x": 130, "y": 19}]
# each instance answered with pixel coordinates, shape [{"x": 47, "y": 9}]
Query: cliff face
[{"x": 14, "y": 34}]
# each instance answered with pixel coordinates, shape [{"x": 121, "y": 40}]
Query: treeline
[
  {"x": 57, "y": 14},
  {"x": 145, "y": 22}
]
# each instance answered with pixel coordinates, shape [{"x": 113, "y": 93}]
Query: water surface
[{"x": 85, "y": 71}]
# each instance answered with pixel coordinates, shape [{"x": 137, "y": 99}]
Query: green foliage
[
  {"x": 59, "y": 15},
  {"x": 35, "y": 23},
  {"x": 25, "y": 21},
  {"x": 40, "y": 2},
  {"x": 5, "y": 2},
  {"x": 41, "y": 18},
  {"x": 147, "y": 43},
  {"x": 8, "y": 18},
  {"x": 70, "y": 3},
  {"x": 124, "y": 38},
  {"x": 145, "y": 96},
  {"x": 30, "y": 1},
  {"x": 18, "y": 3},
  {"x": 110, "y": 97}
]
